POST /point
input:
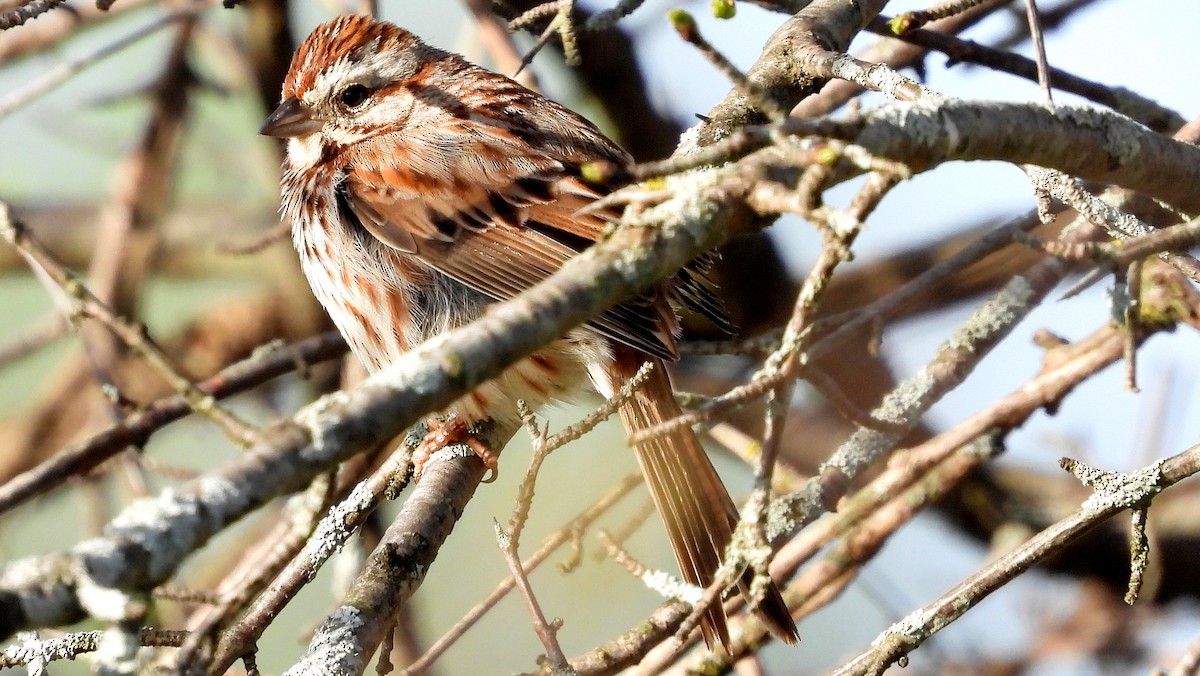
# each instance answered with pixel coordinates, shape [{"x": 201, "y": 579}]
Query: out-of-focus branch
[
  {"x": 128, "y": 231},
  {"x": 53, "y": 27},
  {"x": 72, "y": 232},
  {"x": 56, "y": 76},
  {"x": 1052, "y": 17},
  {"x": 137, "y": 428},
  {"x": 498, "y": 41},
  {"x": 217, "y": 337},
  {"x": 1189, "y": 663},
  {"x": 133, "y": 335},
  {"x": 44, "y": 333},
  {"x": 269, "y": 46}
]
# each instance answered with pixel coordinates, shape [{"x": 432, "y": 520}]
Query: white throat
[{"x": 304, "y": 151}]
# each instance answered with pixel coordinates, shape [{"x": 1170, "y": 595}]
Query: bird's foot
[{"x": 443, "y": 433}]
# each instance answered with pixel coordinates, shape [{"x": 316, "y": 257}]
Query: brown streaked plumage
[{"x": 422, "y": 188}]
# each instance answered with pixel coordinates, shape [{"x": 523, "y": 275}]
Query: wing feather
[{"x": 484, "y": 207}]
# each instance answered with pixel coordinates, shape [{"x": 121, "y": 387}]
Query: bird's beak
[{"x": 290, "y": 120}]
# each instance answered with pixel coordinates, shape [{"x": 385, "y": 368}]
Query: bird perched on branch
[{"x": 423, "y": 188}]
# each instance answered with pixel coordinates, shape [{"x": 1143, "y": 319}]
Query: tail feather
[{"x": 696, "y": 509}]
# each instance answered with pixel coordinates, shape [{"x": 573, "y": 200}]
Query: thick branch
[
  {"x": 1091, "y": 144},
  {"x": 345, "y": 641},
  {"x": 146, "y": 543}
]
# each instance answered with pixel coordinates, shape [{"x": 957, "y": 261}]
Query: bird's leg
[{"x": 443, "y": 433}]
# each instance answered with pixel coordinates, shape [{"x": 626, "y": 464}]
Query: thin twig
[
  {"x": 567, "y": 533},
  {"x": 301, "y": 521},
  {"x": 750, "y": 546},
  {"x": 665, "y": 584},
  {"x": 783, "y": 365},
  {"x": 341, "y": 521},
  {"x": 1112, "y": 496},
  {"x": 1039, "y": 49},
  {"x": 1128, "y": 102},
  {"x": 509, "y": 537},
  {"x": 546, "y": 631},
  {"x": 913, "y": 20},
  {"x": 562, "y": 22},
  {"x": 1117, "y": 223},
  {"x": 686, "y": 27}
]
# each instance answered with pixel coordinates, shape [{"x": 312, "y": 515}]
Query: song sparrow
[{"x": 421, "y": 188}]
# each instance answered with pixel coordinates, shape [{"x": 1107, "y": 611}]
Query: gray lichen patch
[
  {"x": 44, "y": 585},
  {"x": 1121, "y": 489},
  {"x": 671, "y": 587},
  {"x": 1122, "y": 142},
  {"x": 997, "y": 314},
  {"x": 330, "y": 534},
  {"x": 691, "y": 207},
  {"x": 320, "y": 419},
  {"x": 335, "y": 648}
]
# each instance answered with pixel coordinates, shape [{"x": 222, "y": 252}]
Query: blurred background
[{"x": 143, "y": 169}]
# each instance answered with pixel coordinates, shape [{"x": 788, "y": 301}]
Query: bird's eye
[{"x": 355, "y": 95}]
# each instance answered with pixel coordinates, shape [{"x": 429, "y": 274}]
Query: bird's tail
[{"x": 698, "y": 513}]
